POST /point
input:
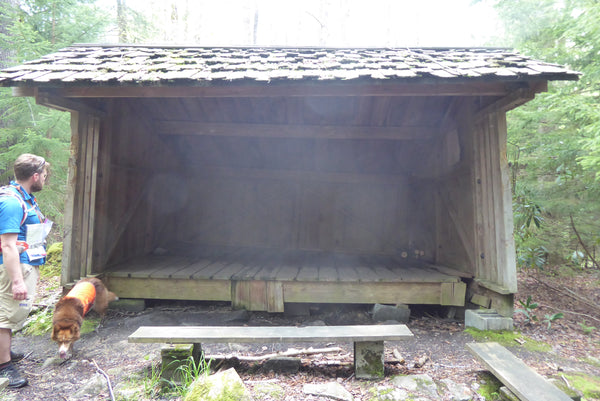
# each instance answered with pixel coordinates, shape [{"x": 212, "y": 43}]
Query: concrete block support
[
  {"x": 175, "y": 356},
  {"x": 487, "y": 319},
  {"x": 368, "y": 360}
]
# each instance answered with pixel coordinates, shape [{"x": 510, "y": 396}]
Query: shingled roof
[{"x": 128, "y": 65}]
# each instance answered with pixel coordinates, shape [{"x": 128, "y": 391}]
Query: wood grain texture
[
  {"x": 279, "y": 334},
  {"x": 523, "y": 381}
]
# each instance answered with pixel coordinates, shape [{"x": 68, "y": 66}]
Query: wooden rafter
[
  {"x": 293, "y": 90},
  {"x": 294, "y": 131}
]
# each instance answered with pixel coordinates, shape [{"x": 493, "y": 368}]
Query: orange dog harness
[{"x": 85, "y": 292}]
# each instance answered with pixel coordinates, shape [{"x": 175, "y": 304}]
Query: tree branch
[{"x": 587, "y": 252}]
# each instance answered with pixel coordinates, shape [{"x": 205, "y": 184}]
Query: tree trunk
[
  {"x": 121, "y": 21},
  {"x": 5, "y": 54}
]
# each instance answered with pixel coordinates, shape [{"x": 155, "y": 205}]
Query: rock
[
  {"x": 419, "y": 363},
  {"x": 222, "y": 384},
  {"x": 128, "y": 390},
  {"x": 422, "y": 384},
  {"x": 268, "y": 391},
  {"x": 507, "y": 395},
  {"x": 399, "y": 313},
  {"x": 455, "y": 391},
  {"x": 92, "y": 387},
  {"x": 385, "y": 393},
  {"x": 331, "y": 390},
  {"x": 282, "y": 365},
  {"x": 53, "y": 361}
]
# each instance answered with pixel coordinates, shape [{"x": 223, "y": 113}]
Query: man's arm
[{"x": 12, "y": 264}]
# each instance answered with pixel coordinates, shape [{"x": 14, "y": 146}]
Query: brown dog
[{"x": 88, "y": 293}]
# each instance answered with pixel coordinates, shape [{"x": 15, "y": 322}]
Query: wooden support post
[
  {"x": 453, "y": 294},
  {"x": 368, "y": 359}
]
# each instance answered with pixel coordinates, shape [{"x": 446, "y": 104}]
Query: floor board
[{"x": 239, "y": 264}]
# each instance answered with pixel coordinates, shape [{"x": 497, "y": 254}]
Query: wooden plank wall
[
  {"x": 454, "y": 202},
  {"x": 134, "y": 183},
  {"x": 301, "y": 214},
  {"x": 493, "y": 203},
  {"x": 78, "y": 243},
  {"x": 317, "y": 193}
]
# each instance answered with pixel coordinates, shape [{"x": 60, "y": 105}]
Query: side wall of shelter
[{"x": 114, "y": 187}]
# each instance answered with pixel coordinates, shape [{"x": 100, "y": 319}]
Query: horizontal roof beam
[
  {"x": 294, "y": 90},
  {"x": 294, "y": 131}
]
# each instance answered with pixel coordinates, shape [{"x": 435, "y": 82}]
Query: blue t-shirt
[{"x": 11, "y": 215}]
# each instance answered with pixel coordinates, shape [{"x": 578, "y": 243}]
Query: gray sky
[{"x": 320, "y": 22}]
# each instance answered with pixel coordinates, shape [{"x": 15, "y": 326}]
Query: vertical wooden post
[
  {"x": 70, "y": 260},
  {"x": 81, "y": 191}
]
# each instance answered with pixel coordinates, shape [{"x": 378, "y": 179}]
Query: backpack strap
[{"x": 6, "y": 191}]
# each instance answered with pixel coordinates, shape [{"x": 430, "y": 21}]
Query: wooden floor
[{"x": 289, "y": 276}]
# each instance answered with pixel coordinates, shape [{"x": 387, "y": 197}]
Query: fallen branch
[
  {"x": 110, "y": 390},
  {"x": 571, "y": 312},
  {"x": 289, "y": 352},
  {"x": 330, "y": 363},
  {"x": 587, "y": 252},
  {"x": 570, "y": 293}
]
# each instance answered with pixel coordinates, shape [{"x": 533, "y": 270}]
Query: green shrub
[{"x": 53, "y": 264}]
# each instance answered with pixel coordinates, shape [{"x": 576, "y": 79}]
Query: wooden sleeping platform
[{"x": 259, "y": 279}]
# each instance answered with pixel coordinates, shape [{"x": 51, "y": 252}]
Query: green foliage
[
  {"x": 39, "y": 323},
  {"x": 33, "y": 28},
  {"x": 53, "y": 265},
  {"x": 154, "y": 385},
  {"x": 528, "y": 307},
  {"x": 89, "y": 325},
  {"x": 589, "y": 385},
  {"x": 555, "y": 156},
  {"x": 38, "y": 27},
  {"x": 586, "y": 329},
  {"x": 489, "y": 386},
  {"x": 151, "y": 382},
  {"x": 532, "y": 258},
  {"x": 548, "y": 319},
  {"x": 188, "y": 373},
  {"x": 508, "y": 339}
]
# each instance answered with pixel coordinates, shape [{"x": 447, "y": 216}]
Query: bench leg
[
  {"x": 175, "y": 357},
  {"x": 368, "y": 360}
]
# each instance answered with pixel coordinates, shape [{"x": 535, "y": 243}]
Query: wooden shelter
[{"x": 266, "y": 176}]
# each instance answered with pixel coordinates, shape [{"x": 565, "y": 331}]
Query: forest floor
[{"x": 572, "y": 345}]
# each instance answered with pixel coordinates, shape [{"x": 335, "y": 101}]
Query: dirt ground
[{"x": 442, "y": 341}]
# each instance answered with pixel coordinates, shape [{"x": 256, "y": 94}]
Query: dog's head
[{"x": 65, "y": 334}]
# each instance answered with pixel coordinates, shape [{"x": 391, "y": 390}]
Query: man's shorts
[{"x": 13, "y": 313}]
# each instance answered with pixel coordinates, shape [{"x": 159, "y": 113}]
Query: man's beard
[{"x": 37, "y": 186}]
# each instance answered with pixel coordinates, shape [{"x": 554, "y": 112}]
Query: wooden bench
[
  {"x": 523, "y": 381},
  {"x": 368, "y": 340}
]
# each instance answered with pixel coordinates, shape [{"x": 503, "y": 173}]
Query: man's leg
[{"x": 5, "y": 342}]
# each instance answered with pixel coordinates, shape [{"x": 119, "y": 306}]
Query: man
[{"x": 22, "y": 234}]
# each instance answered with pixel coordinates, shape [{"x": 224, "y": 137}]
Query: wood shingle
[{"x": 156, "y": 65}]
